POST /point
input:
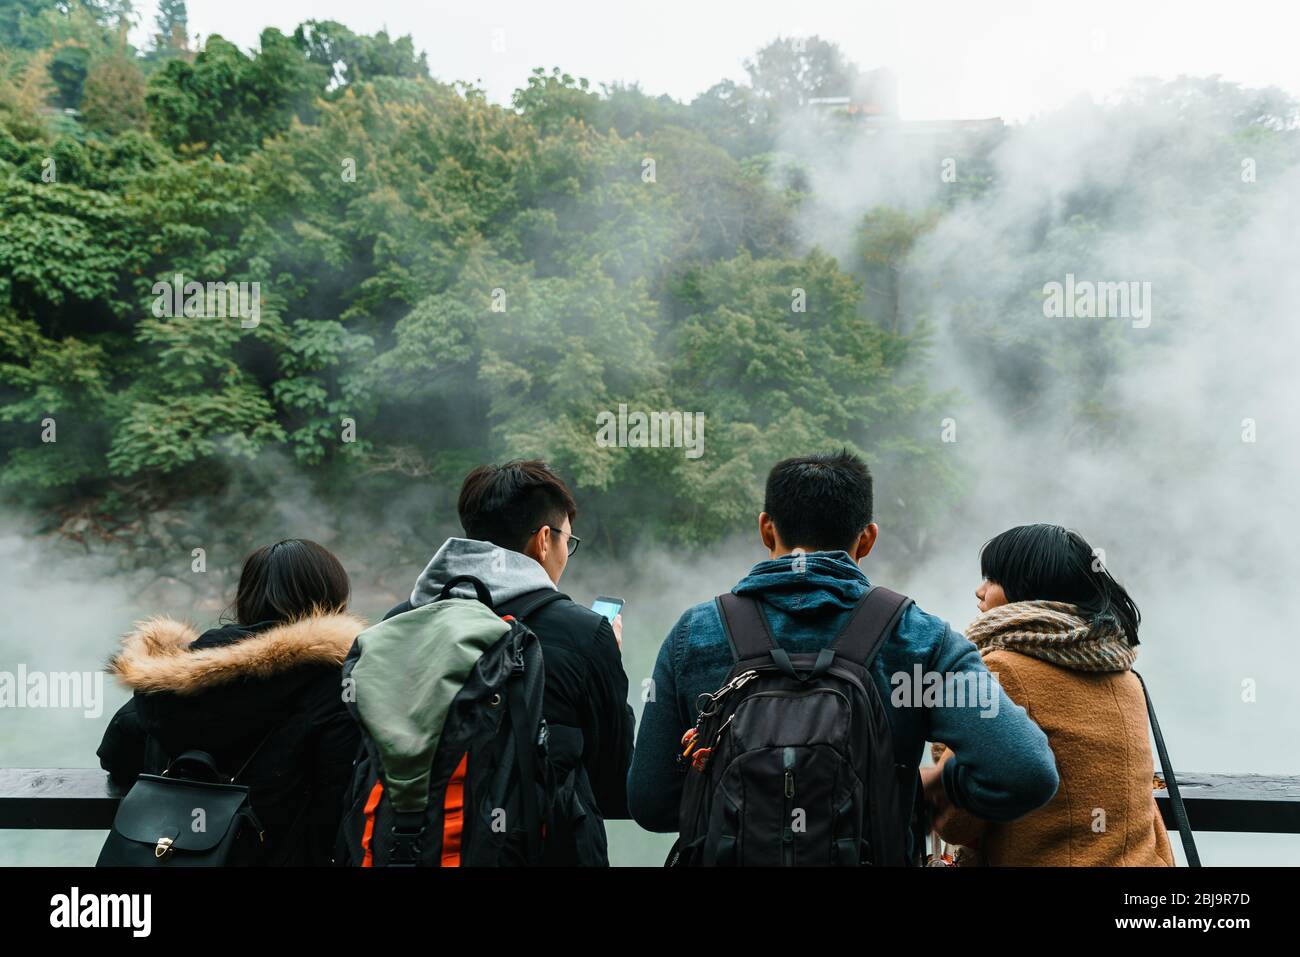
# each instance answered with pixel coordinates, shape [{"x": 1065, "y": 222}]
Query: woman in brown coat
[{"x": 1061, "y": 636}]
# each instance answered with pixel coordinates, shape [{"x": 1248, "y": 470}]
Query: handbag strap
[
  {"x": 1171, "y": 783},
  {"x": 201, "y": 758},
  {"x": 249, "y": 760}
]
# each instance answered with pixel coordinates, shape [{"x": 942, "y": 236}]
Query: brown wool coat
[{"x": 1096, "y": 723}]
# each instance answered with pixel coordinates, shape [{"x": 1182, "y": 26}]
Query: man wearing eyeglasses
[{"x": 518, "y": 521}]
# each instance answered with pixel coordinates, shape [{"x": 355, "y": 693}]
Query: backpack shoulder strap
[
  {"x": 521, "y": 606},
  {"x": 745, "y": 626},
  {"x": 870, "y": 624},
  {"x": 526, "y": 734}
]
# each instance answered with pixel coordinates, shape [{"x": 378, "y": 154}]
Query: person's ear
[
  {"x": 767, "y": 531},
  {"x": 866, "y": 542},
  {"x": 535, "y": 547}
]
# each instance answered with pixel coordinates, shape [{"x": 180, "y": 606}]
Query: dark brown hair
[
  {"x": 504, "y": 504},
  {"x": 289, "y": 580}
]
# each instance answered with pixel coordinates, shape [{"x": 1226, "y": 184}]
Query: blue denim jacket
[{"x": 1002, "y": 766}]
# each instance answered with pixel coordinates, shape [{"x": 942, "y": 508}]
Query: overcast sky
[{"x": 1009, "y": 58}]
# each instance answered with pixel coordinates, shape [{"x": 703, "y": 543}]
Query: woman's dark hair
[
  {"x": 289, "y": 580},
  {"x": 1051, "y": 563}
]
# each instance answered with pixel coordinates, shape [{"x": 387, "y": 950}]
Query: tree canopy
[{"x": 451, "y": 280}]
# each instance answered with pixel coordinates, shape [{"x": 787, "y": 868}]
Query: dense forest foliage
[{"x": 444, "y": 281}]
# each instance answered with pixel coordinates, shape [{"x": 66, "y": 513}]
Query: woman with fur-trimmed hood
[{"x": 265, "y": 689}]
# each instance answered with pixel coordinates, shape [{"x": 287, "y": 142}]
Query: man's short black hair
[
  {"x": 505, "y": 504},
  {"x": 819, "y": 502}
]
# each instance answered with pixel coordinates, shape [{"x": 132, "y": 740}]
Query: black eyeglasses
[{"x": 574, "y": 540}]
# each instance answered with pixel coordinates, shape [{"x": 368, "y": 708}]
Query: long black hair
[
  {"x": 290, "y": 580},
  {"x": 1051, "y": 563}
]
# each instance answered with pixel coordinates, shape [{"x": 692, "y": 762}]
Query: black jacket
[
  {"x": 586, "y": 691},
  {"x": 270, "y": 691}
]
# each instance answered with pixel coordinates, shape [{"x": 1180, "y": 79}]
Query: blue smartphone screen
[{"x": 607, "y": 608}]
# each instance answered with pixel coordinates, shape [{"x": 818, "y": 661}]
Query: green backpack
[{"x": 453, "y": 768}]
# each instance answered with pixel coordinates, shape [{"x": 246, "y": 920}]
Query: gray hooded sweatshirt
[{"x": 507, "y": 574}]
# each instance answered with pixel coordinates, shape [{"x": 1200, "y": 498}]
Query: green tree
[
  {"x": 171, "y": 25},
  {"x": 353, "y": 58},
  {"x": 226, "y": 102},
  {"x": 885, "y": 242},
  {"x": 112, "y": 100},
  {"x": 776, "y": 353},
  {"x": 790, "y": 71}
]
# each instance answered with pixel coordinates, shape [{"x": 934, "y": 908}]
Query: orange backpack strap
[
  {"x": 367, "y": 835},
  {"x": 453, "y": 814}
]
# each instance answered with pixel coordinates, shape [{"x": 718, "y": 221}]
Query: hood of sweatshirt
[
  {"x": 808, "y": 588},
  {"x": 507, "y": 574}
]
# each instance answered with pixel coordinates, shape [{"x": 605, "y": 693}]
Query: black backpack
[
  {"x": 791, "y": 762},
  {"x": 574, "y": 835},
  {"x": 191, "y": 815},
  {"x": 487, "y": 785}
]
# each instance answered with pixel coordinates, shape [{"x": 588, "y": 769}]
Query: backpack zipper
[
  {"x": 800, "y": 694},
  {"x": 787, "y": 830}
]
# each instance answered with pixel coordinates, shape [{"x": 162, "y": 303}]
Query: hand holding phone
[{"x": 611, "y": 608}]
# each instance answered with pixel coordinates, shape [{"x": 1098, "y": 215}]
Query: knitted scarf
[{"x": 1055, "y": 632}]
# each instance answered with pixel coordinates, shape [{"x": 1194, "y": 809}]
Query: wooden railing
[
  {"x": 1243, "y": 803},
  {"x": 85, "y": 799},
  {"x": 57, "y": 798}
]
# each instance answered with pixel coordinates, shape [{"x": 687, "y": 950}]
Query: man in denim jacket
[{"x": 816, "y": 525}]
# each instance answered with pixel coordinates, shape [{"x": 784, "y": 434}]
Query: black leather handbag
[{"x": 188, "y": 816}]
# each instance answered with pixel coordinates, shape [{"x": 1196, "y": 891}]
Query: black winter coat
[{"x": 270, "y": 691}]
